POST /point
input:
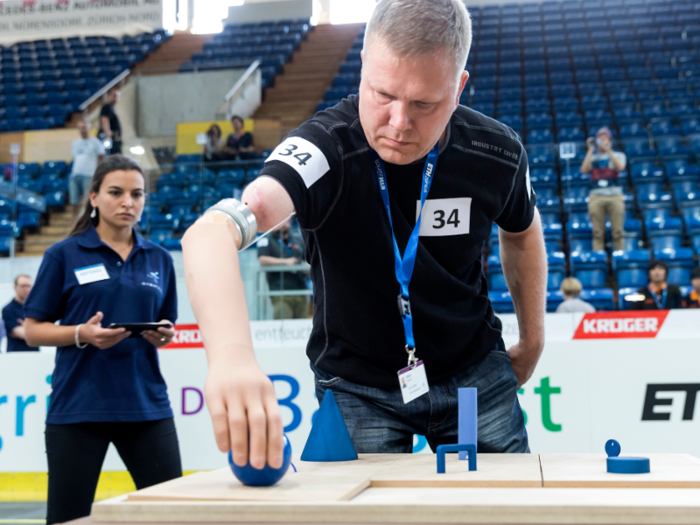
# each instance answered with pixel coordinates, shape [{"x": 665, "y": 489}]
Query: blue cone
[{"x": 329, "y": 439}]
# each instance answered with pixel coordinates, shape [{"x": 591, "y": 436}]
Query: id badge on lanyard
[{"x": 413, "y": 381}]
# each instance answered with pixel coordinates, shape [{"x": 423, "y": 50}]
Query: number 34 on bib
[{"x": 445, "y": 217}]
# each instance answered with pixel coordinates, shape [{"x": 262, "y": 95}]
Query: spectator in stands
[
  {"x": 213, "y": 147},
  {"x": 87, "y": 153},
  {"x": 692, "y": 300},
  {"x": 107, "y": 386},
  {"x": 571, "y": 288},
  {"x": 110, "y": 127},
  {"x": 281, "y": 248},
  {"x": 13, "y": 316},
  {"x": 658, "y": 294},
  {"x": 605, "y": 197},
  {"x": 240, "y": 143}
]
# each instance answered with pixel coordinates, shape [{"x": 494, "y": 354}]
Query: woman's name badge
[
  {"x": 413, "y": 382},
  {"x": 91, "y": 274}
]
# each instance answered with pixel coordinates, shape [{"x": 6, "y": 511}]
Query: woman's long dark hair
[{"x": 107, "y": 166}]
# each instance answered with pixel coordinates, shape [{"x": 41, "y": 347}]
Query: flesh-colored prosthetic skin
[{"x": 239, "y": 396}]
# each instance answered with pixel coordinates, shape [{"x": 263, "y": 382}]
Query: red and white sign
[
  {"x": 186, "y": 336},
  {"x": 621, "y": 325}
]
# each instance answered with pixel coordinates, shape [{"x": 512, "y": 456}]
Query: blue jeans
[
  {"x": 78, "y": 186},
  {"x": 380, "y": 422}
]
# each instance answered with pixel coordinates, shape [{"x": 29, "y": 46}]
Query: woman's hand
[
  {"x": 93, "y": 333},
  {"x": 162, "y": 337}
]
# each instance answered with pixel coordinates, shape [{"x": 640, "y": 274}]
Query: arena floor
[{"x": 22, "y": 513}]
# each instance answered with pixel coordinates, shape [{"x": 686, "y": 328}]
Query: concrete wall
[
  {"x": 165, "y": 100},
  {"x": 260, "y": 11}
]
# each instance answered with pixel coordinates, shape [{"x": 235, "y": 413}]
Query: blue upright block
[
  {"x": 329, "y": 439},
  {"x": 442, "y": 449},
  {"x": 468, "y": 412}
]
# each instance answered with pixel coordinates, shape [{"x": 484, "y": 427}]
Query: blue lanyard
[
  {"x": 403, "y": 266},
  {"x": 660, "y": 305}
]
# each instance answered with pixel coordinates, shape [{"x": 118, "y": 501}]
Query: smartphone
[{"x": 137, "y": 329}]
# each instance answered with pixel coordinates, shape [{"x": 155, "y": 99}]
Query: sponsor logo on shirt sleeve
[{"x": 306, "y": 159}]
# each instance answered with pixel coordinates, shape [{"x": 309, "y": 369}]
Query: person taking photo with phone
[
  {"x": 605, "y": 197},
  {"x": 107, "y": 386}
]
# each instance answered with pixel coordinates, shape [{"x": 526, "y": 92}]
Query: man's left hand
[
  {"x": 524, "y": 360},
  {"x": 162, "y": 337}
]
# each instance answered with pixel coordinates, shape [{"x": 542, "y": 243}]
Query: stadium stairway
[
  {"x": 306, "y": 78},
  {"x": 168, "y": 57},
  {"x": 60, "y": 224}
]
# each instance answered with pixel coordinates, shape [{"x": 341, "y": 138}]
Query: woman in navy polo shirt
[{"x": 107, "y": 387}]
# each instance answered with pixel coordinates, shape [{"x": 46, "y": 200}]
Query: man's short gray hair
[{"x": 420, "y": 27}]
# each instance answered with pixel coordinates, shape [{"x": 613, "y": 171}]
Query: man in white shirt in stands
[{"x": 87, "y": 153}]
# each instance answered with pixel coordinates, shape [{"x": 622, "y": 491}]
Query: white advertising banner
[
  {"x": 40, "y": 19},
  {"x": 634, "y": 377}
]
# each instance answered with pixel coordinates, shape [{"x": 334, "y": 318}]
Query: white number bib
[
  {"x": 91, "y": 274},
  {"x": 444, "y": 217},
  {"x": 304, "y": 157}
]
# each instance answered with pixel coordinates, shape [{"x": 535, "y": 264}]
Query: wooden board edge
[
  {"x": 347, "y": 513},
  {"x": 622, "y": 484},
  {"x": 454, "y": 483}
]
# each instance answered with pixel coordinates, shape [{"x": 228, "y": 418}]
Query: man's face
[
  {"x": 696, "y": 284},
  {"x": 405, "y": 104},
  {"x": 84, "y": 129},
  {"x": 657, "y": 275},
  {"x": 603, "y": 142},
  {"x": 237, "y": 125},
  {"x": 114, "y": 96},
  {"x": 23, "y": 287}
]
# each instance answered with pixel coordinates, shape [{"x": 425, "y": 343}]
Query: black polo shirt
[
  {"x": 481, "y": 177},
  {"x": 10, "y": 315}
]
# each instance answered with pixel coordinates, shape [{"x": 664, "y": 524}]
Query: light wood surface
[
  {"x": 589, "y": 471},
  {"x": 432, "y": 505},
  {"x": 493, "y": 470},
  {"x": 404, "y": 489}
]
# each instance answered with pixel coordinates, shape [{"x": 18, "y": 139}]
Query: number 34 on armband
[
  {"x": 304, "y": 157},
  {"x": 445, "y": 217}
]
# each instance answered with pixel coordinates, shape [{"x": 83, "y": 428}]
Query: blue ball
[{"x": 265, "y": 477}]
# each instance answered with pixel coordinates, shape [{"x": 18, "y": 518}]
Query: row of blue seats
[
  {"x": 548, "y": 6},
  {"x": 602, "y": 299},
  {"x": 155, "y": 37},
  {"x": 591, "y": 268}
]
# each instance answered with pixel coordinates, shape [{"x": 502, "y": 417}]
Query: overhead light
[{"x": 137, "y": 150}]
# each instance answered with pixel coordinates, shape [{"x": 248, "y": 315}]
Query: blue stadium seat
[
  {"x": 554, "y": 299},
  {"x": 30, "y": 220},
  {"x": 553, "y": 235},
  {"x": 590, "y": 267},
  {"x": 543, "y": 178},
  {"x": 541, "y": 156},
  {"x": 167, "y": 222},
  {"x": 646, "y": 172},
  {"x": 680, "y": 262},
  {"x": 55, "y": 200},
  {"x": 540, "y": 136},
  {"x": 632, "y": 233},
  {"x": 497, "y": 281},
  {"x": 670, "y": 149},
  {"x": 160, "y": 236},
  {"x": 665, "y": 233},
  {"x": 556, "y": 262},
  {"x": 689, "y": 203},
  {"x": 630, "y": 267},
  {"x": 638, "y": 150},
  {"x": 601, "y": 299},
  {"x": 502, "y": 302},
  {"x": 580, "y": 236}
]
